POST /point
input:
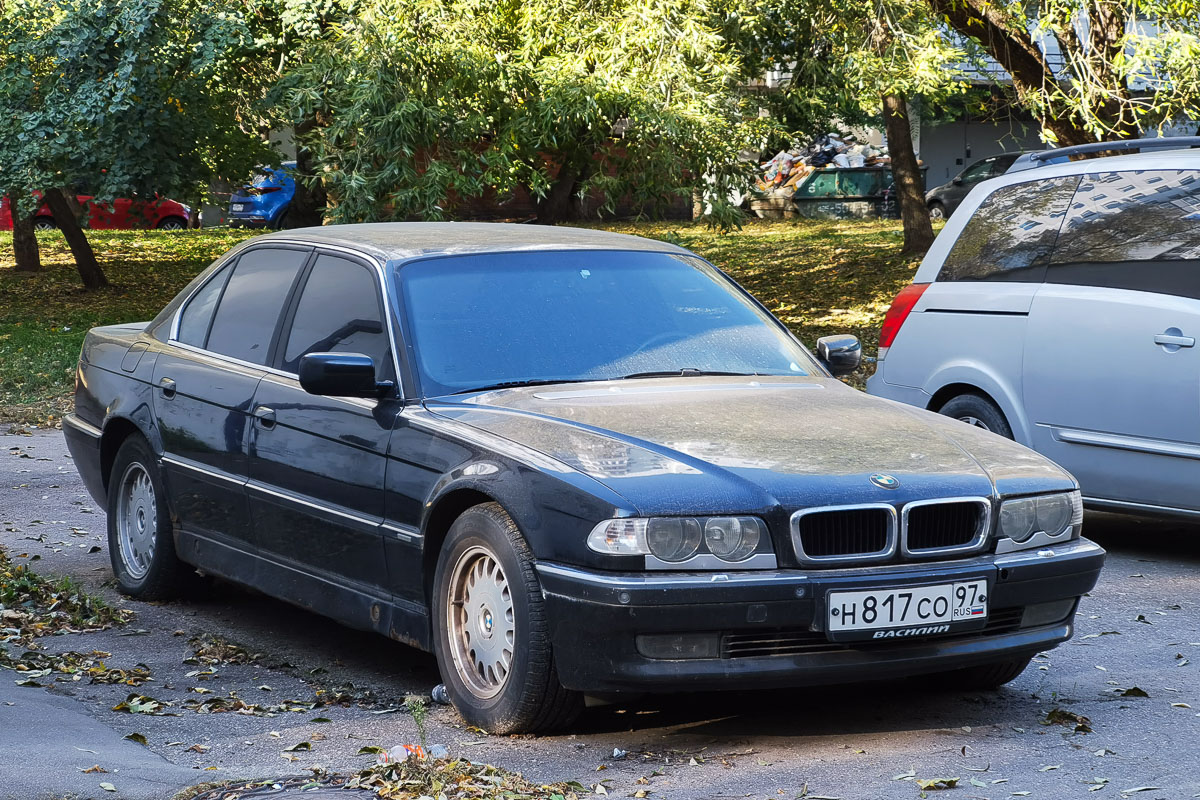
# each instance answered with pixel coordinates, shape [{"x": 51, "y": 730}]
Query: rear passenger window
[
  {"x": 193, "y": 323},
  {"x": 1119, "y": 221},
  {"x": 249, "y": 310},
  {"x": 339, "y": 312},
  {"x": 1012, "y": 233}
]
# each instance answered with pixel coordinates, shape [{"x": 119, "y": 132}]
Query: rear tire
[
  {"x": 44, "y": 224},
  {"x": 986, "y": 676},
  {"x": 141, "y": 543},
  {"x": 979, "y": 411},
  {"x": 490, "y": 632}
]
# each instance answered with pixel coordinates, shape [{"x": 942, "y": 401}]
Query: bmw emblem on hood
[{"x": 885, "y": 481}]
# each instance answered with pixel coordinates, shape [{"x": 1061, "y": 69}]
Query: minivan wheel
[
  {"x": 140, "y": 541},
  {"x": 937, "y": 211},
  {"x": 979, "y": 411},
  {"x": 491, "y": 636}
]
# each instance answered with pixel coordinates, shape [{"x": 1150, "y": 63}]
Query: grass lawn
[{"x": 819, "y": 277}]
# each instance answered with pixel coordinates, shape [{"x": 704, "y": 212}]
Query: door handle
[
  {"x": 265, "y": 417},
  {"x": 1172, "y": 339},
  {"x": 168, "y": 387}
]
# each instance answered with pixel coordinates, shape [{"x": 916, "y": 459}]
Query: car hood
[{"x": 732, "y": 444}]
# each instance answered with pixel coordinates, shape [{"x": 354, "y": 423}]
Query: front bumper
[
  {"x": 769, "y": 624},
  {"x": 83, "y": 442}
]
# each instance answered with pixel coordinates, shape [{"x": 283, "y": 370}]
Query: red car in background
[{"x": 120, "y": 214}]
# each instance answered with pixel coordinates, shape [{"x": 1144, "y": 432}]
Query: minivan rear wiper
[{"x": 686, "y": 372}]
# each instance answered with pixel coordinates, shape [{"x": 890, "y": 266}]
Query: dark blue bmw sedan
[{"x": 568, "y": 462}]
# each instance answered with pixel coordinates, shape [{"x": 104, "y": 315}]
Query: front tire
[
  {"x": 979, "y": 411},
  {"x": 44, "y": 224},
  {"x": 140, "y": 541},
  {"x": 172, "y": 224},
  {"x": 491, "y": 636},
  {"x": 937, "y": 212}
]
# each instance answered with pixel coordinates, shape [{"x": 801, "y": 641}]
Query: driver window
[{"x": 339, "y": 312}]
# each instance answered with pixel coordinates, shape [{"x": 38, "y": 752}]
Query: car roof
[
  {"x": 402, "y": 241},
  {"x": 1183, "y": 158}
]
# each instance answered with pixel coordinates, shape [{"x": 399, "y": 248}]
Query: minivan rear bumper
[{"x": 878, "y": 386}]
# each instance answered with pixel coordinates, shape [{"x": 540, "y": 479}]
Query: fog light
[
  {"x": 672, "y": 646},
  {"x": 1047, "y": 613}
]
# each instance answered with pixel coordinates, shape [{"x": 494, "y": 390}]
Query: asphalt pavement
[{"x": 1139, "y": 628}]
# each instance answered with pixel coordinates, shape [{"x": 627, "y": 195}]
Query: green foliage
[
  {"x": 819, "y": 277},
  {"x": 1120, "y": 67},
  {"x": 842, "y": 56},
  {"x": 124, "y": 98},
  {"x": 423, "y": 106}
]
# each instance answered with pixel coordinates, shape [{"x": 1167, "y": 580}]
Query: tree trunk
[
  {"x": 25, "y": 245},
  {"x": 906, "y": 175},
  {"x": 81, "y": 248},
  {"x": 559, "y": 203},
  {"x": 308, "y": 204},
  {"x": 1007, "y": 39}
]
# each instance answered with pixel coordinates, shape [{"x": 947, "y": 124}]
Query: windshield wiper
[
  {"x": 686, "y": 372},
  {"x": 516, "y": 384}
]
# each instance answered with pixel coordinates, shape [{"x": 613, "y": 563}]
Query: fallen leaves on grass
[{"x": 456, "y": 779}]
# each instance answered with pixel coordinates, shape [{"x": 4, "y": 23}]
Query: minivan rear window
[
  {"x": 1149, "y": 215},
  {"x": 1135, "y": 230},
  {"x": 1012, "y": 233}
]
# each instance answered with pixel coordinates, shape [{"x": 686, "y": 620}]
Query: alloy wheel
[
  {"x": 481, "y": 622},
  {"x": 137, "y": 521}
]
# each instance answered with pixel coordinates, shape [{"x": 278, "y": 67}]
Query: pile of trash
[{"x": 783, "y": 173}]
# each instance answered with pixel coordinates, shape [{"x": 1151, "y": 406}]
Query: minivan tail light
[{"x": 901, "y": 306}]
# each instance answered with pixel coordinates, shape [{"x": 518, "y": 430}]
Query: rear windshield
[{"x": 486, "y": 320}]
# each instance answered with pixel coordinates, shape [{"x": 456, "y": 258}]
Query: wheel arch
[
  {"x": 448, "y": 507},
  {"x": 116, "y": 430},
  {"x": 955, "y": 380}
]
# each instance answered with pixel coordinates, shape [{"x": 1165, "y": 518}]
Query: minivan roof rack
[{"x": 1060, "y": 154}]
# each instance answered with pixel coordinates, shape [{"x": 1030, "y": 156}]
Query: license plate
[
  {"x": 239, "y": 206},
  {"x": 907, "y": 611}
]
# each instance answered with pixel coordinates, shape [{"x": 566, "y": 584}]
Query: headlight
[
  {"x": 1037, "y": 521},
  {"x": 685, "y": 542}
]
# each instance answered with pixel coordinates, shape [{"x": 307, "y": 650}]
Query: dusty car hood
[{"x": 723, "y": 444}]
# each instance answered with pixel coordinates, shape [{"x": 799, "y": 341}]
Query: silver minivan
[{"x": 1061, "y": 308}]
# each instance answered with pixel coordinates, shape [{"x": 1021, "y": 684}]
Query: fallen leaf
[
  {"x": 1137, "y": 789},
  {"x": 298, "y": 746},
  {"x": 136, "y": 737},
  {"x": 934, "y": 784},
  {"x": 198, "y": 748},
  {"x": 1180, "y": 705},
  {"x": 108, "y": 787},
  {"x": 1060, "y": 716},
  {"x": 94, "y": 768},
  {"x": 1050, "y": 767},
  {"x": 1134, "y": 691}
]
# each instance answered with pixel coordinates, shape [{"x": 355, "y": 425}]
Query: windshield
[{"x": 511, "y": 318}]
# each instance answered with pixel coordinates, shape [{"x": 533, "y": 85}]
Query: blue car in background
[{"x": 264, "y": 203}]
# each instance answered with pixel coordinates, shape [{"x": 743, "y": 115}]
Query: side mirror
[
  {"x": 841, "y": 354},
  {"x": 957, "y": 181},
  {"x": 341, "y": 375}
]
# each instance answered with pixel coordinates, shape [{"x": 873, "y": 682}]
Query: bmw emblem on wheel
[{"x": 885, "y": 481}]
